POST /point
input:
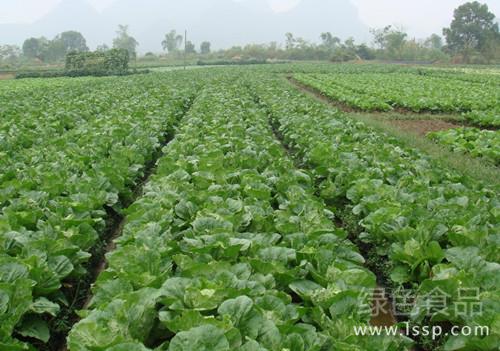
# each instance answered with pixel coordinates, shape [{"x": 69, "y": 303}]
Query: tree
[
  {"x": 72, "y": 41},
  {"x": 379, "y": 36},
  {"x": 349, "y": 43},
  {"x": 55, "y": 51},
  {"x": 172, "y": 42},
  {"x": 329, "y": 40},
  {"x": 434, "y": 42},
  {"x": 190, "y": 48},
  {"x": 473, "y": 29},
  {"x": 35, "y": 48},
  {"x": 205, "y": 47},
  {"x": 364, "y": 52},
  {"x": 391, "y": 40},
  {"x": 290, "y": 41},
  {"x": 396, "y": 40},
  {"x": 301, "y": 43},
  {"x": 98, "y": 63},
  {"x": 9, "y": 53},
  {"x": 125, "y": 41},
  {"x": 102, "y": 48}
]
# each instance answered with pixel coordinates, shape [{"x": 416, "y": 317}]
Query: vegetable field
[
  {"x": 225, "y": 209},
  {"x": 377, "y": 91},
  {"x": 476, "y": 142}
]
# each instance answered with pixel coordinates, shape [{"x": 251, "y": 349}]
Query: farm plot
[
  {"x": 429, "y": 228},
  {"x": 417, "y": 93},
  {"x": 229, "y": 249},
  {"x": 266, "y": 224},
  {"x": 70, "y": 149},
  {"x": 473, "y": 141},
  {"x": 489, "y": 118}
]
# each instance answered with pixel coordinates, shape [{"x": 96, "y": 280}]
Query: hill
[{"x": 223, "y": 22}]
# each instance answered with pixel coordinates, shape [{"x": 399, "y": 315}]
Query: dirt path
[
  {"x": 6, "y": 76},
  {"x": 421, "y": 127}
]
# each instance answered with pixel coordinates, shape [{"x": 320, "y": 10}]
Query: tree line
[{"x": 472, "y": 37}]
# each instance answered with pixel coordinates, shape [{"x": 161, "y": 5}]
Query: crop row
[
  {"x": 417, "y": 93},
  {"x": 437, "y": 229},
  {"x": 68, "y": 152},
  {"x": 484, "y": 76},
  {"x": 49, "y": 137},
  {"x": 490, "y": 118},
  {"x": 229, "y": 249},
  {"x": 473, "y": 141},
  {"x": 342, "y": 93}
]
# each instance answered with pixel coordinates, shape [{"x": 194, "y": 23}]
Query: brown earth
[
  {"x": 421, "y": 127},
  {"x": 5, "y": 76}
]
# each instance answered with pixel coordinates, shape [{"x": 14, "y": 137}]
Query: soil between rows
[{"x": 421, "y": 127}]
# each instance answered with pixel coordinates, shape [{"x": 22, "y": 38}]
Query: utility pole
[{"x": 185, "y": 47}]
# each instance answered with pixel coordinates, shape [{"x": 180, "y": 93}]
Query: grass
[{"x": 454, "y": 118}]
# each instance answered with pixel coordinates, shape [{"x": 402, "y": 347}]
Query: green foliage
[
  {"x": 114, "y": 61},
  {"x": 231, "y": 245},
  {"x": 78, "y": 73},
  {"x": 434, "y": 42},
  {"x": 90, "y": 145},
  {"x": 124, "y": 41},
  {"x": 35, "y": 48},
  {"x": 190, "y": 48},
  {"x": 205, "y": 48},
  {"x": 393, "y": 45},
  {"x": 485, "y": 118},
  {"x": 473, "y": 141},
  {"x": 9, "y": 53},
  {"x": 438, "y": 228},
  {"x": 391, "y": 40},
  {"x": 72, "y": 41},
  {"x": 56, "y": 49},
  {"x": 329, "y": 40},
  {"x": 473, "y": 29},
  {"x": 410, "y": 91},
  {"x": 172, "y": 42}
]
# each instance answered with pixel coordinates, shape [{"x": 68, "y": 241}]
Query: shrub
[{"x": 113, "y": 61}]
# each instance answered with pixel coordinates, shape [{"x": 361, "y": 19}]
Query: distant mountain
[
  {"x": 223, "y": 22},
  {"x": 67, "y": 15}
]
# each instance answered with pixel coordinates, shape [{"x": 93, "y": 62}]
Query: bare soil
[
  {"x": 5, "y": 76},
  {"x": 382, "y": 309},
  {"x": 421, "y": 127}
]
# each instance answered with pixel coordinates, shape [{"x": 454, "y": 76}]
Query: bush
[
  {"x": 97, "y": 63},
  {"x": 113, "y": 61},
  {"x": 342, "y": 55},
  {"x": 80, "y": 73}
]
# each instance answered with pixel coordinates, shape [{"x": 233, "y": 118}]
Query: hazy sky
[{"x": 419, "y": 18}]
